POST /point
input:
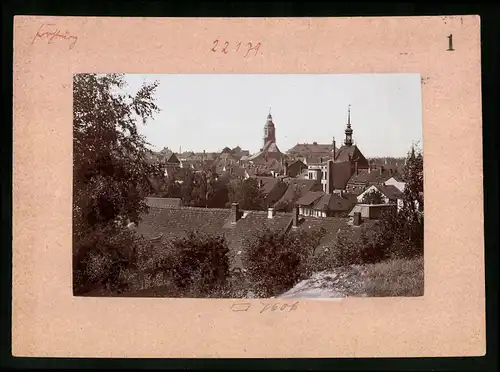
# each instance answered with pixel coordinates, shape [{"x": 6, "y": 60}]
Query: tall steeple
[
  {"x": 348, "y": 131},
  {"x": 269, "y": 129}
]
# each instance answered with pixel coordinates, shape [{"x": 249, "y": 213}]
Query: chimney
[
  {"x": 329, "y": 177},
  {"x": 235, "y": 212},
  {"x": 295, "y": 216},
  {"x": 357, "y": 219},
  {"x": 356, "y": 167},
  {"x": 270, "y": 212},
  {"x": 334, "y": 149}
]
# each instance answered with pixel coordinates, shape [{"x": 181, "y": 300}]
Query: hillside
[{"x": 384, "y": 279}]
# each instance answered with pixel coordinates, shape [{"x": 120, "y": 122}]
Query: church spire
[{"x": 348, "y": 131}]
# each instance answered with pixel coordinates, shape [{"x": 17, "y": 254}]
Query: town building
[
  {"x": 161, "y": 225},
  {"x": 336, "y": 170},
  {"x": 311, "y": 153},
  {"x": 390, "y": 194},
  {"x": 269, "y": 150},
  {"x": 321, "y": 204}
]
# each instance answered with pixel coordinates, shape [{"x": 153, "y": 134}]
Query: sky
[{"x": 210, "y": 112}]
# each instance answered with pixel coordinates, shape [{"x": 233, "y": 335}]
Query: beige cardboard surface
[{"x": 448, "y": 320}]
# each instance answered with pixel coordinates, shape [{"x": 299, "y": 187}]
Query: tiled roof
[
  {"x": 270, "y": 150},
  {"x": 336, "y": 203},
  {"x": 341, "y": 174},
  {"x": 310, "y": 198},
  {"x": 166, "y": 224},
  {"x": 268, "y": 183},
  {"x": 347, "y": 153},
  {"x": 299, "y": 186},
  {"x": 391, "y": 191},
  {"x": 322, "y": 201},
  {"x": 162, "y": 202},
  {"x": 310, "y": 148},
  {"x": 371, "y": 177}
]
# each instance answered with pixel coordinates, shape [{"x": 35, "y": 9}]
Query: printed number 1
[{"x": 450, "y": 42}]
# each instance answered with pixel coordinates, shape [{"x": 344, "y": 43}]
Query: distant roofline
[{"x": 228, "y": 210}]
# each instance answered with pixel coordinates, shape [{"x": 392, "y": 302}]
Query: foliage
[
  {"x": 276, "y": 261},
  {"x": 197, "y": 263},
  {"x": 102, "y": 258},
  {"x": 201, "y": 189},
  {"x": 111, "y": 171},
  {"x": 217, "y": 192},
  {"x": 171, "y": 188},
  {"x": 247, "y": 194},
  {"x": 373, "y": 197}
]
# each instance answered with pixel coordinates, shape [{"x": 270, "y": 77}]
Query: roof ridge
[{"x": 170, "y": 206}]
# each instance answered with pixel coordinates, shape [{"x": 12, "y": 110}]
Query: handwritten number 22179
[{"x": 225, "y": 48}]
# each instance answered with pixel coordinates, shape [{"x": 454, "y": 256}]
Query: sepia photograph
[{"x": 285, "y": 186}]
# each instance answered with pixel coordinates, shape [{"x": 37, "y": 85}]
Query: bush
[
  {"x": 199, "y": 263},
  {"x": 101, "y": 258},
  {"x": 275, "y": 261}
]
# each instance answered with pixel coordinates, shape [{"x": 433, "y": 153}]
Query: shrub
[
  {"x": 275, "y": 261},
  {"x": 199, "y": 263},
  {"x": 101, "y": 258}
]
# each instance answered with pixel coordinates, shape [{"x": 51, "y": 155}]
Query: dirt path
[{"x": 339, "y": 283}]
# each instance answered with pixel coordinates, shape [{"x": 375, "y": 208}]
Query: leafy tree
[
  {"x": 403, "y": 231},
  {"x": 412, "y": 211},
  {"x": 187, "y": 188},
  {"x": 201, "y": 263},
  {"x": 171, "y": 188},
  {"x": 276, "y": 261},
  {"x": 217, "y": 192},
  {"x": 373, "y": 197},
  {"x": 111, "y": 171},
  {"x": 247, "y": 194},
  {"x": 413, "y": 176}
]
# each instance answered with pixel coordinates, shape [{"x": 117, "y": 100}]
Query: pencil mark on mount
[
  {"x": 52, "y": 34},
  {"x": 244, "y": 306},
  {"x": 228, "y": 47},
  {"x": 278, "y": 307}
]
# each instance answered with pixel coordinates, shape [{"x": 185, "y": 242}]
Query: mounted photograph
[{"x": 287, "y": 186}]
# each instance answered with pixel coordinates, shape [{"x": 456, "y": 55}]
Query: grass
[{"x": 394, "y": 278}]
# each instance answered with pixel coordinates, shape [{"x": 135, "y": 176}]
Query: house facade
[{"x": 390, "y": 194}]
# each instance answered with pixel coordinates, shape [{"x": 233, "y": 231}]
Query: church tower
[
  {"x": 269, "y": 130},
  {"x": 348, "y": 131}
]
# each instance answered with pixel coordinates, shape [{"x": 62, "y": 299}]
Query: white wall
[
  {"x": 311, "y": 212},
  {"x": 399, "y": 185}
]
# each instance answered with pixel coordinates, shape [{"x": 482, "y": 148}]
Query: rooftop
[{"x": 166, "y": 223}]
